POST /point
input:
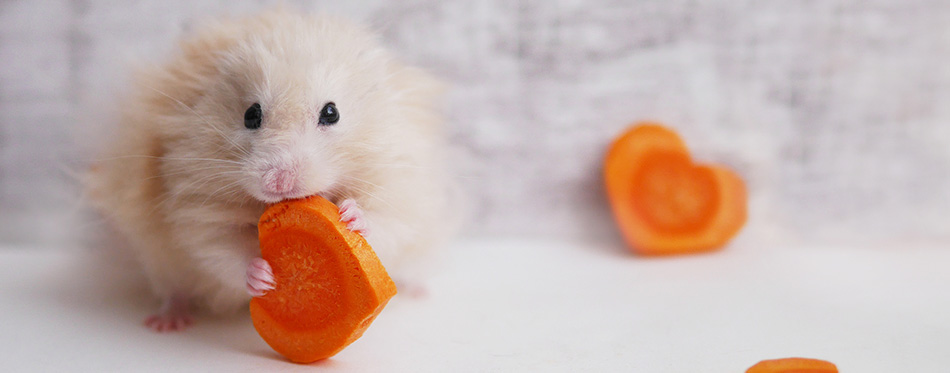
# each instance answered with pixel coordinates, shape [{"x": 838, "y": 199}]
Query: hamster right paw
[
  {"x": 415, "y": 290},
  {"x": 260, "y": 277}
]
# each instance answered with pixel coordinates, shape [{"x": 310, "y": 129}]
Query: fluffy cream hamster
[{"x": 254, "y": 110}]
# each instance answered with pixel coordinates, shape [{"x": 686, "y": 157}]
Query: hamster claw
[
  {"x": 260, "y": 277},
  {"x": 352, "y": 215}
]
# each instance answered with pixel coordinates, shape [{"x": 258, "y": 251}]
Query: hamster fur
[{"x": 185, "y": 181}]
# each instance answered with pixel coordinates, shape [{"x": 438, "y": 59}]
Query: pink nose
[{"x": 279, "y": 181}]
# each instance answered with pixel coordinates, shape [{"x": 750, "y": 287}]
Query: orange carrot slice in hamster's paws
[
  {"x": 329, "y": 283},
  {"x": 663, "y": 202},
  {"x": 793, "y": 365}
]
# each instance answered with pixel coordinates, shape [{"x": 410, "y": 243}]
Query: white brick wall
[{"x": 835, "y": 111}]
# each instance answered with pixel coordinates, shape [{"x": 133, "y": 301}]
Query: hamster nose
[{"x": 279, "y": 181}]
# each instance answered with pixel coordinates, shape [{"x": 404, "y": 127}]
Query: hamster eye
[
  {"x": 252, "y": 117},
  {"x": 329, "y": 114}
]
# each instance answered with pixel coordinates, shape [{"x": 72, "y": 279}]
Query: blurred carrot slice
[
  {"x": 663, "y": 202},
  {"x": 793, "y": 365}
]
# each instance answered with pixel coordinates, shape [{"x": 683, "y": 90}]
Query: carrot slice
[
  {"x": 663, "y": 202},
  {"x": 330, "y": 284},
  {"x": 793, "y": 365}
]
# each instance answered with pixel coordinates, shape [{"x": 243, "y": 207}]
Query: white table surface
[{"x": 517, "y": 305}]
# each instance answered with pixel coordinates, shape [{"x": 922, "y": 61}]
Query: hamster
[{"x": 255, "y": 110}]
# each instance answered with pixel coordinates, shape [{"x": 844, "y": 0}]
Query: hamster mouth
[{"x": 269, "y": 197}]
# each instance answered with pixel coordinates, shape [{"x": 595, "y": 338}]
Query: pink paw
[
  {"x": 352, "y": 215},
  {"x": 414, "y": 290},
  {"x": 174, "y": 315},
  {"x": 260, "y": 277}
]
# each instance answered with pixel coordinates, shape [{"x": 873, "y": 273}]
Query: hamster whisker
[
  {"x": 359, "y": 180},
  {"x": 187, "y": 170},
  {"x": 397, "y": 165},
  {"x": 204, "y": 180},
  {"x": 215, "y": 193},
  {"x": 167, "y": 158},
  {"x": 242, "y": 150},
  {"x": 221, "y": 167},
  {"x": 368, "y": 193},
  {"x": 203, "y": 119},
  {"x": 169, "y": 196}
]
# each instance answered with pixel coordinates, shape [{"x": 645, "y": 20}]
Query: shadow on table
[{"x": 112, "y": 308}]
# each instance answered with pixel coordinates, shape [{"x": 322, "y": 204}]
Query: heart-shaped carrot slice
[
  {"x": 663, "y": 202},
  {"x": 793, "y": 365},
  {"x": 330, "y": 284}
]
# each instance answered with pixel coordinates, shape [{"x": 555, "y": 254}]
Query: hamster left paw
[
  {"x": 352, "y": 215},
  {"x": 174, "y": 315},
  {"x": 259, "y": 277}
]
